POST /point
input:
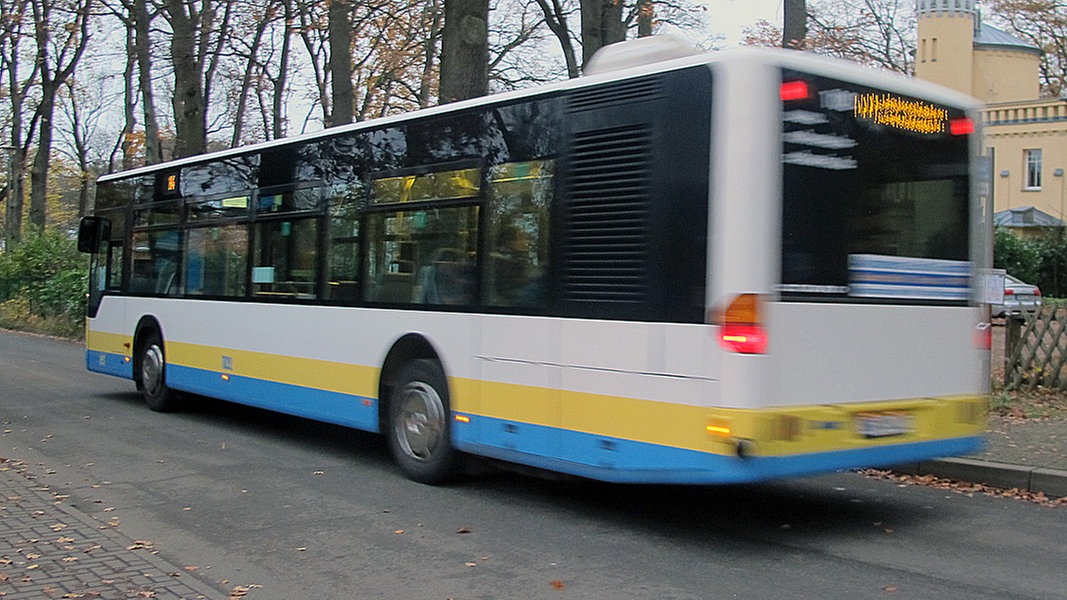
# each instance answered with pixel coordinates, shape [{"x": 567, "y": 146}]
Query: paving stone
[{"x": 49, "y": 550}]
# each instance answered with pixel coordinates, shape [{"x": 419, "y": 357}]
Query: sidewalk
[
  {"x": 1026, "y": 441},
  {"x": 48, "y": 550},
  {"x": 1025, "y": 454}
]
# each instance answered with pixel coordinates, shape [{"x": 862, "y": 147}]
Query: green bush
[
  {"x": 43, "y": 281},
  {"x": 1020, "y": 258}
]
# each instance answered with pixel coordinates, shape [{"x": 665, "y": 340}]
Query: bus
[{"x": 682, "y": 267}]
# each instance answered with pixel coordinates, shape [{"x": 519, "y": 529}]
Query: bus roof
[{"x": 619, "y": 61}]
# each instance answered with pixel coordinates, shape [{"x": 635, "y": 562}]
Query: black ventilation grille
[
  {"x": 605, "y": 254},
  {"x": 617, "y": 94}
]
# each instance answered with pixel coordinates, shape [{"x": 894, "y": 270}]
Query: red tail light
[
  {"x": 961, "y": 126},
  {"x": 741, "y": 327},
  {"x": 794, "y": 90}
]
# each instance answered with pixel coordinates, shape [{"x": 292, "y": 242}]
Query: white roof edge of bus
[
  {"x": 639, "y": 52},
  {"x": 671, "y": 55}
]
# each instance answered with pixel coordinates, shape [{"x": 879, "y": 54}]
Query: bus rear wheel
[
  {"x": 419, "y": 427},
  {"x": 153, "y": 375}
]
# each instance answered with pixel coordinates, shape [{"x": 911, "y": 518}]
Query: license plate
[{"x": 884, "y": 424}]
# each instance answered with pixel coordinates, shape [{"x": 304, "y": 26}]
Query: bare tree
[
  {"x": 1042, "y": 23},
  {"x": 83, "y": 110},
  {"x": 196, "y": 44},
  {"x": 556, "y": 16},
  {"x": 56, "y": 60},
  {"x": 464, "y": 50},
  {"x": 605, "y": 22},
  {"x": 876, "y": 33},
  {"x": 340, "y": 32},
  {"x": 11, "y": 36}
]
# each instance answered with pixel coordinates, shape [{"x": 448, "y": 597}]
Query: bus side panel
[
  {"x": 743, "y": 245},
  {"x": 108, "y": 341}
]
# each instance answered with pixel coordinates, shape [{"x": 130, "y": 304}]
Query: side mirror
[{"x": 92, "y": 232}]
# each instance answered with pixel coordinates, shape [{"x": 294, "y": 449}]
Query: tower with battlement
[{"x": 957, "y": 50}]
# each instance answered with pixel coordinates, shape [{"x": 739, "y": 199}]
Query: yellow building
[{"x": 1025, "y": 135}]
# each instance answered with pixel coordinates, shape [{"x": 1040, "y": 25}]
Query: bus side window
[
  {"x": 342, "y": 259},
  {"x": 286, "y": 255},
  {"x": 215, "y": 260},
  {"x": 423, "y": 256},
  {"x": 154, "y": 262},
  {"x": 519, "y": 198}
]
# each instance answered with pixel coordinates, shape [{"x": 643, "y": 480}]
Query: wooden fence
[{"x": 1036, "y": 349}]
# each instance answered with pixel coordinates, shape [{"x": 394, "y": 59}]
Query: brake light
[
  {"x": 794, "y": 90},
  {"x": 741, "y": 326},
  {"x": 961, "y": 126}
]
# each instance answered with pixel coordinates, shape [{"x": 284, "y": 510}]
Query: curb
[{"x": 1051, "y": 482}]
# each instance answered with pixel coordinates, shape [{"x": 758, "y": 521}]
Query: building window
[{"x": 1033, "y": 169}]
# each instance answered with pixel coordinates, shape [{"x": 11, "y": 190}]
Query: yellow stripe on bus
[
  {"x": 775, "y": 431},
  {"x": 305, "y": 372}
]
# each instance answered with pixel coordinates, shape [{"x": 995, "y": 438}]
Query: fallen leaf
[
  {"x": 463, "y": 530},
  {"x": 558, "y": 585}
]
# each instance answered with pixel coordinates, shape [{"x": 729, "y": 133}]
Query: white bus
[{"x": 708, "y": 268}]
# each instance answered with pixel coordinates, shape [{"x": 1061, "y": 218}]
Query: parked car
[{"x": 1019, "y": 297}]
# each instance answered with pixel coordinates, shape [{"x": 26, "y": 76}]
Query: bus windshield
[{"x": 875, "y": 195}]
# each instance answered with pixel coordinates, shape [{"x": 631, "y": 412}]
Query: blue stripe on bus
[
  {"x": 321, "y": 405},
  {"x": 627, "y": 461},
  {"x": 109, "y": 364},
  {"x": 573, "y": 452}
]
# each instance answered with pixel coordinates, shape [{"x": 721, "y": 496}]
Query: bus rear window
[{"x": 875, "y": 195}]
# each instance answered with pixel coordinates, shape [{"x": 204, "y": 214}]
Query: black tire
[
  {"x": 152, "y": 379},
  {"x": 419, "y": 426}
]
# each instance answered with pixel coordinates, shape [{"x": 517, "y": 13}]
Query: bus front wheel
[
  {"x": 153, "y": 375},
  {"x": 419, "y": 427}
]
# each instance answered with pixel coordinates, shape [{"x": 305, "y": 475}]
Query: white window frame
[{"x": 1032, "y": 160}]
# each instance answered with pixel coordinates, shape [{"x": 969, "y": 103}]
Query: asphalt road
[{"x": 293, "y": 509}]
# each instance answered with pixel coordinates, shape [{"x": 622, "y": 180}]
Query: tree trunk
[
  {"x": 645, "y": 13},
  {"x": 340, "y": 25},
  {"x": 13, "y": 154},
  {"x": 52, "y": 76},
  {"x": 602, "y": 24},
  {"x": 153, "y": 149},
  {"x": 126, "y": 142},
  {"x": 251, "y": 66},
  {"x": 464, "y": 50},
  {"x": 279, "y": 123},
  {"x": 795, "y": 24},
  {"x": 190, "y": 121},
  {"x": 433, "y": 10},
  {"x": 39, "y": 169}
]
